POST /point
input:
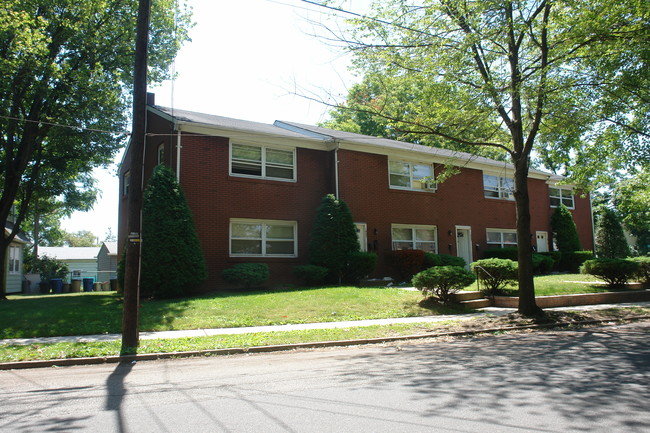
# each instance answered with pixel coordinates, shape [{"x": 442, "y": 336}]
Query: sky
[{"x": 254, "y": 60}]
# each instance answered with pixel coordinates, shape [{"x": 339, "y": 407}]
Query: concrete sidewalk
[{"x": 493, "y": 311}]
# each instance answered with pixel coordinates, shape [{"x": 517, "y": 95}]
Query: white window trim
[
  {"x": 562, "y": 197},
  {"x": 263, "y": 222},
  {"x": 502, "y": 191},
  {"x": 502, "y": 244},
  {"x": 14, "y": 259},
  {"x": 263, "y": 162},
  {"x": 414, "y": 241},
  {"x": 126, "y": 182},
  {"x": 433, "y": 186},
  {"x": 161, "y": 150}
]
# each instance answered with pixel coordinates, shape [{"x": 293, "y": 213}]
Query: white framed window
[
  {"x": 263, "y": 238},
  {"x": 498, "y": 187},
  {"x": 362, "y": 235},
  {"x": 410, "y": 175},
  {"x": 161, "y": 153},
  {"x": 414, "y": 237},
  {"x": 264, "y": 162},
  {"x": 501, "y": 237},
  {"x": 15, "y": 254},
  {"x": 561, "y": 195},
  {"x": 126, "y": 181}
]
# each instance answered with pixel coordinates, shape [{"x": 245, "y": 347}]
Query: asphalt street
[{"x": 588, "y": 380}]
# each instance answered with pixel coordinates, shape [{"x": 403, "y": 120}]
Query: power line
[{"x": 41, "y": 122}]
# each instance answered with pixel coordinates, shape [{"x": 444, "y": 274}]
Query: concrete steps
[{"x": 472, "y": 300}]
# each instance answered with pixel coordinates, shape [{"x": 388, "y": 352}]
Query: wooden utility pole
[{"x": 130, "y": 315}]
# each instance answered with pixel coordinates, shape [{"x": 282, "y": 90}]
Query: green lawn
[
  {"x": 101, "y": 312},
  {"x": 560, "y": 284}
]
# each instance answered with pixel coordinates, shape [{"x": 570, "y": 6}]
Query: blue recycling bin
[
  {"x": 57, "y": 285},
  {"x": 88, "y": 284}
]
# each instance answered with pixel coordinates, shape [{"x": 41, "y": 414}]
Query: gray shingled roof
[
  {"x": 228, "y": 123},
  {"x": 325, "y": 135}
]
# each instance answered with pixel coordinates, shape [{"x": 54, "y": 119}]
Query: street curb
[{"x": 285, "y": 347}]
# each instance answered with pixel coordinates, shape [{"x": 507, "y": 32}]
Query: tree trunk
[
  {"x": 4, "y": 246},
  {"x": 527, "y": 304}
]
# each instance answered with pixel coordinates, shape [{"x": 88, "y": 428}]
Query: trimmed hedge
[
  {"x": 643, "y": 274},
  {"x": 572, "y": 260},
  {"x": 431, "y": 260},
  {"x": 311, "y": 275},
  {"x": 543, "y": 263},
  {"x": 616, "y": 272},
  {"x": 247, "y": 274},
  {"x": 440, "y": 282},
  {"x": 495, "y": 274},
  {"x": 360, "y": 265},
  {"x": 406, "y": 262}
]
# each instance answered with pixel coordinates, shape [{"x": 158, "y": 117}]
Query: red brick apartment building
[{"x": 254, "y": 189}]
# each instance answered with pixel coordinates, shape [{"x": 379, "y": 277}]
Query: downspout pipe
[
  {"x": 336, "y": 171},
  {"x": 178, "y": 154}
]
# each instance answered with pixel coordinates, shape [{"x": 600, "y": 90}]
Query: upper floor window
[
  {"x": 126, "y": 181},
  {"x": 14, "y": 259},
  {"x": 263, "y": 162},
  {"x": 263, "y": 238},
  {"x": 560, "y": 195},
  {"x": 502, "y": 237},
  {"x": 414, "y": 237},
  {"x": 498, "y": 187},
  {"x": 161, "y": 153},
  {"x": 409, "y": 175}
]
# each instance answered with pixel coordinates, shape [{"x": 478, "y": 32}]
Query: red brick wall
[{"x": 215, "y": 198}]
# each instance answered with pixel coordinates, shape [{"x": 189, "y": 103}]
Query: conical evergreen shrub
[
  {"x": 564, "y": 229},
  {"x": 172, "y": 259},
  {"x": 333, "y": 237},
  {"x": 610, "y": 238}
]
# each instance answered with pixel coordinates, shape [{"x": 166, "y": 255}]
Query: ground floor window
[
  {"x": 414, "y": 237},
  {"x": 15, "y": 254},
  {"x": 270, "y": 238},
  {"x": 502, "y": 238}
]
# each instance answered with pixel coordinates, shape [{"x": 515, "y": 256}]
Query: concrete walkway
[{"x": 493, "y": 311}]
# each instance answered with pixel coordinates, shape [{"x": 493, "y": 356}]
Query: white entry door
[
  {"x": 464, "y": 243},
  {"x": 542, "y": 242},
  {"x": 362, "y": 235}
]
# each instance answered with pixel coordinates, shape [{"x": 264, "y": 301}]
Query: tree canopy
[
  {"x": 66, "y": 70},
  {"x": 511, "y": 76}
]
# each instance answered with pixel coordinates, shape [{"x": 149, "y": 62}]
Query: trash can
[
  {"x": 75, "y": 287},
  {"x": 88, "y": 284},
  {"x": 57, "y": 285}
]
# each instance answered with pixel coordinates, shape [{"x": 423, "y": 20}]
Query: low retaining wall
[{"x": 582, "y": 299}]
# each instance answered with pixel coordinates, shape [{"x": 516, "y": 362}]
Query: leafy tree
[
  {"x": 632, "y": 201},
  {"x": 564, "y": 231},
  {"x": 511, "y": 76},
  {"x": 82, "y": 238},
  {"x": 64, "y": 95},
  {"x": 172, "y": 258},
  {"x": 333, "y": 238},
  {"x": 610, "y": 238}
]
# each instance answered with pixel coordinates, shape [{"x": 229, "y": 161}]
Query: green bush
[
  {"x": 441, "y": 282},
  {"x": 360, "y": 265},
  {"x": 333, "y": 237},
  {"x": 572, "y": 260},
  {"x": 406, "y": 263},
  {"x": 643, "y": 274},
  {"x": 556, "y": 256},
  {"x": 610, "y": 238},
  {"x": 49, "y": 267},
  {"x": 542, "y": 264},
  {"x": 247, "y": 274},
  {"x": 564, "y": 230},
  {"x": 509, "y": 253},
  {"x": 311, "y": 275},
  {"x": 431, "y": 260},
  {"x": 495, "y": 274},
  {"x": 616, "y": 272},
  {"x": 172, "y": 263}
]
